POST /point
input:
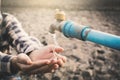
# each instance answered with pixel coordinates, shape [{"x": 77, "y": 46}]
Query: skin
[
  {"x": 39, "y": 61},
  {"x": 46, "y": 53}
]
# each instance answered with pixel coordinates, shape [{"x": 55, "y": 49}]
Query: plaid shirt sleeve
[
  {"x": 18, "y": 38},
  {"x": 5, "y": 63}
]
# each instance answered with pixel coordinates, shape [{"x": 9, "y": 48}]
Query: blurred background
[
  {"x": 66, "y": 4},
  {"x": 86, "y": 60}
]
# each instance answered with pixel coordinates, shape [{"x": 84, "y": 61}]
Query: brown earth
[{"x": 86, "y": 60}]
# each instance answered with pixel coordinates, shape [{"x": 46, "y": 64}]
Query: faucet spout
[
  {"x": 60, "y": 18},
  {"x": 56, "y": 26}
]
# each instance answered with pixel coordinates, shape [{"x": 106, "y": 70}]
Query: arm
[
  {"x": 24, "y": 44},
  {"x": 18, "y": 38}
]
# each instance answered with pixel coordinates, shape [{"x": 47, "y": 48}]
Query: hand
[
  {"x": 46, "y": 53},
  {"x": 24, "y": 64}
]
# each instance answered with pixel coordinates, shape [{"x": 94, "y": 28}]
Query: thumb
[
  {"x": 24, "y": 59},
  {"x": 58, "y": 49}
]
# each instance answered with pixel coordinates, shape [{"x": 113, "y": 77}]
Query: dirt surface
[{"x": 86, "y": 60}]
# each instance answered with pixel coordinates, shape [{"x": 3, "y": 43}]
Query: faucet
[
  {"x": 84, "y": 33},
  {"x": 60, "y": 18}
]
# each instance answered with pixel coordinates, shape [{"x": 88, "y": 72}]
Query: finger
[
  {"x": 34, "y": 65},
  {"x": 60, "y": 62},
  {"x": 24, "y": 59},
  {"x": 56, "y": 66},
  {"x": 40, "y": 63},
  {"x": 52, "y": 68},
  {"x": 62, "y": 57},
  {"x": 53, "y": 64},
  {"x": 44, "y": 69},
  {"x": 53, "y": 61},
  {"x": 57, "y": 48}
]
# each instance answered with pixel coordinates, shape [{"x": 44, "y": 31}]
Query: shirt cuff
[
  {"x": 6, "y": 64},
  {"x": 13, "y": 69}
]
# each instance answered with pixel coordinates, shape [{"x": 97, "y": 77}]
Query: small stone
[
  {"x": 74, "y": 46},
  {"x": 77, "y": 77},
  {"x": 75, "y": 57},
  {"x": 56, "y": 78},
  {"x": 44, "y": 43},
  {"x": 86, "y": 75},
  {"x": 90, "y": 72},
  {"x": 101, "y": 58},
  {"x": 94, "y": 54},
  {"x": 98, "y": 63},
  {"x": 100, "y": 51}
]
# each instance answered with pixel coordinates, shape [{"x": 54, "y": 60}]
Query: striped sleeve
[
  {"x": 5, "y": 63},
  {"x": 19, "y": 39}
]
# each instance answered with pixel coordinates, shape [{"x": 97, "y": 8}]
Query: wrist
[
  {"x": 33, "y": 55},
  {"x": 30, "y": 52}
]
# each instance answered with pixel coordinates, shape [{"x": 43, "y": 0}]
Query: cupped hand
[
  {"x": 47, "y": 53},
  {"x": 24, "y": 64}
]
